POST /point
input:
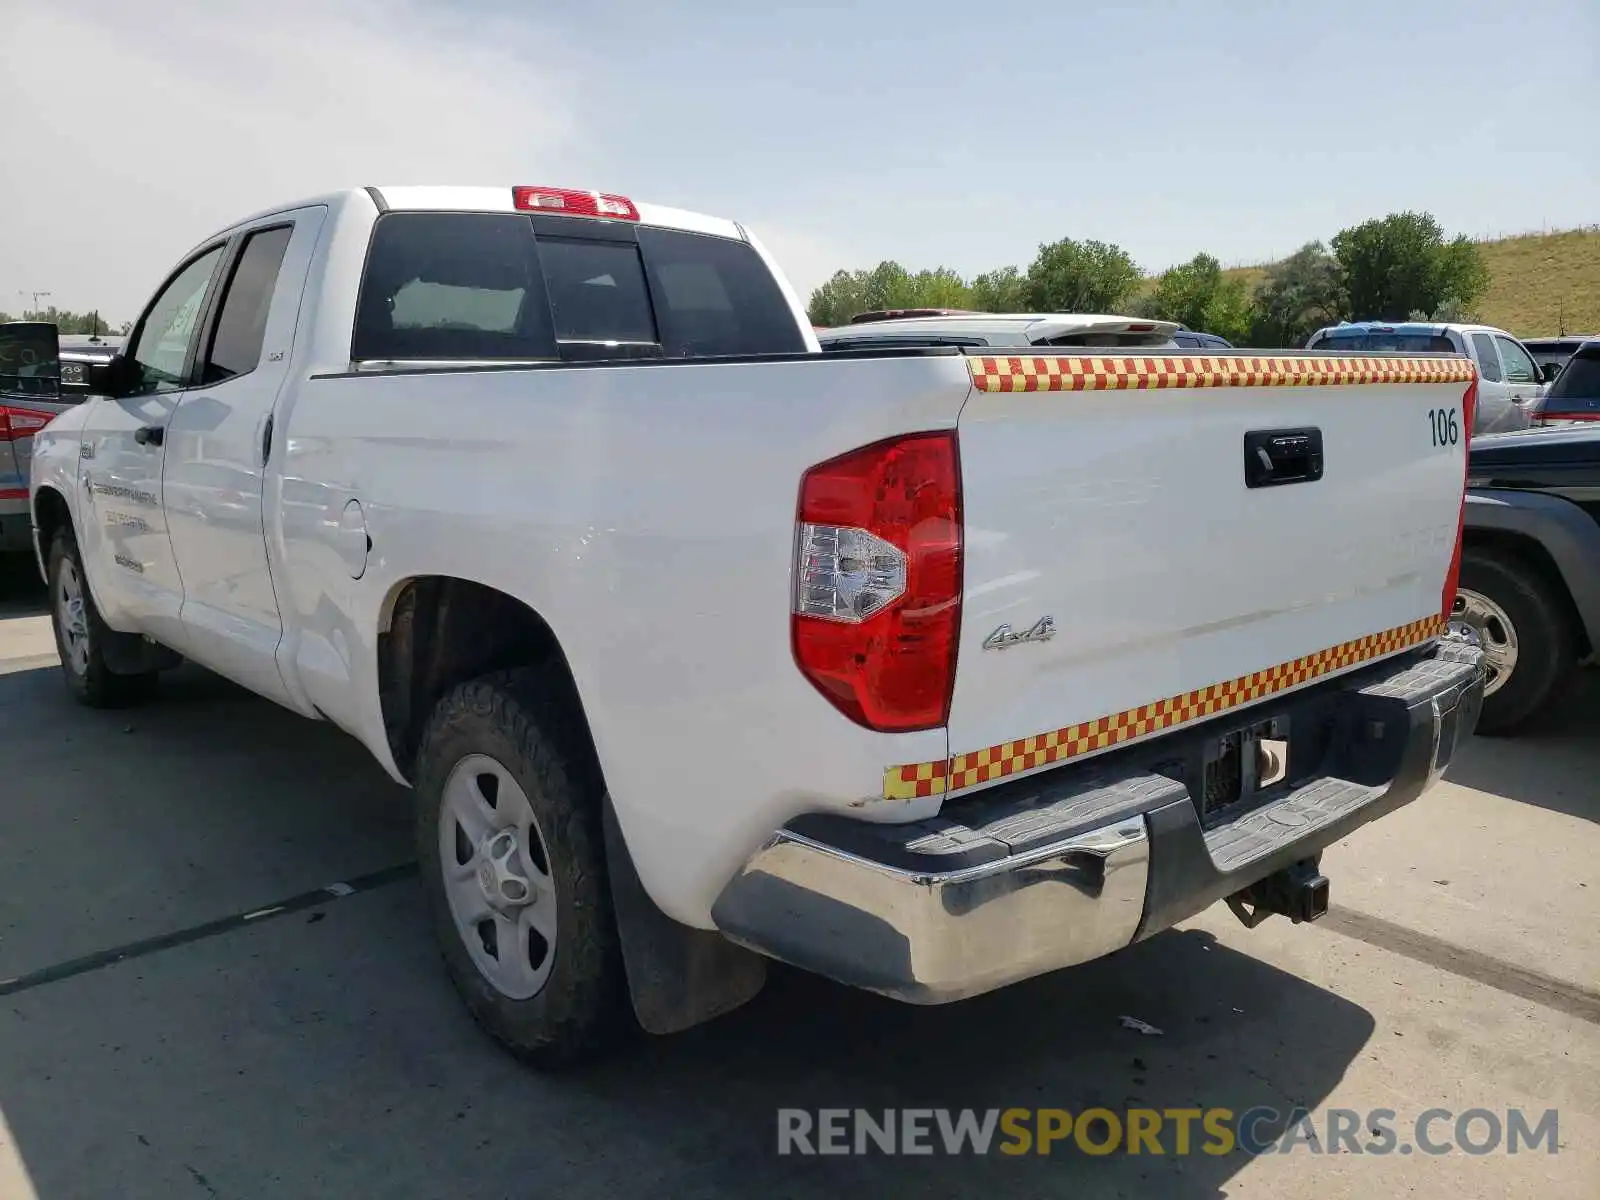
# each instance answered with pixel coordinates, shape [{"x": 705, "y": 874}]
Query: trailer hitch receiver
[{"x": 1299, "y": 892}]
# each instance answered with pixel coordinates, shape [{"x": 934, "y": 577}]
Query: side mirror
[
  {"x": 30, "y": 359},
  {"x": 1550, "y": 371},
  {"x": 111, "y": 378}
]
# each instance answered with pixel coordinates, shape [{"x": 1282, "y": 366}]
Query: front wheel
[
  {"x": 509, "y": 839},
  {"x": 81, "y": 635},
  {"x": 1522, "y": 626}
]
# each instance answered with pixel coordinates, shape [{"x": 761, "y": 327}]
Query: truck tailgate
[{"x": 1123, "y": 577}]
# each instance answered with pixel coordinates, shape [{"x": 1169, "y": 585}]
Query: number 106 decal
[{"x": 1442, "y": 424}]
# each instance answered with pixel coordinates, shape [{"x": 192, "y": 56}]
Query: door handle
[
  {"x": 1273, "y": 457},
  {"x": 149, "y": 435}
]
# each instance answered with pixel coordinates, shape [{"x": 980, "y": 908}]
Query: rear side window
[
  {"x": 714, "y": 296},
  {"x": 1579, "y": 380},
  {"x": 452, "y": 286},
  {"x": 242, "y": 324},
  {"x": 1488, "y": 357}
]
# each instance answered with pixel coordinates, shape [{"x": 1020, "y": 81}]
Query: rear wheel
[
  {"x": 1519, "y": 619},
  {"x": 509, "y": 838},
  {"x": 81, "y": 635}
]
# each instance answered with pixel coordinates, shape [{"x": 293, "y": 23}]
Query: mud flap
[
  {"x": 678, "y": 976},
  {"x": 133, "y": 654}
]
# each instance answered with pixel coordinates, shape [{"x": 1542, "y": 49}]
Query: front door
[
  {"x": 125, "y": 545},
  {"x": 1523, "y": 381},
  {"x": 218, "y": 445},
  {"x": 1495, "y": 409}
]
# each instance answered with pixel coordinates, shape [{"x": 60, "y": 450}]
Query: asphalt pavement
[{"x": 223, "y": 985}]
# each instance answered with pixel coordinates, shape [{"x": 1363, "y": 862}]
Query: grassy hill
[{"x": 1537, "y": 281}]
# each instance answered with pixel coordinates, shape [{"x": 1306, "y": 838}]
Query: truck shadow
[
  {"x": 1236, "y": 1033},
  {"x": 334, "y": 1060},
  {"x": 1553, "y": 763},
  {"x": 324, "y": 1053}
]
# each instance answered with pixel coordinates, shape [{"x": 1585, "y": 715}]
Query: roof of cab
[
  {"x": 498, "y": 199},
  {"x": 1428, "y": 327},
  {"x": 451, "y": 198},
  {"x": 1019, "y": 324},
  {"x": 1388, "y": 326}
]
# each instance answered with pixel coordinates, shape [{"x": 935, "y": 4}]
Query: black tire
[
  {"x": 528, "y": 726},
  {"x": 90, "y": 680},
  {"x": 1546, "y": 648}
]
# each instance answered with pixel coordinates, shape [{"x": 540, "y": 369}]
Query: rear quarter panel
[
  {"x": 52, "y": 462},
  {"x": 647, "y": 514}
]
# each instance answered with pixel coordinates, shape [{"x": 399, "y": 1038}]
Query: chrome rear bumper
[
  {"x": 1075, "y": 863},
  {"x": 933, "y": 936}
]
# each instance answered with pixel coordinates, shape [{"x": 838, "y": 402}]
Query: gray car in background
[{"x": 1555, "y": 351}]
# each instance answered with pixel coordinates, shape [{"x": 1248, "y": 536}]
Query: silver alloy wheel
[
  {"x": 71, "y": 619},
  {"x": 1495, "y": 632},
  {"x": 496, "y": 869}
]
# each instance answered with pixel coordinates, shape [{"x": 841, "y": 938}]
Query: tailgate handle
[{"x": 1273, "y": 457}]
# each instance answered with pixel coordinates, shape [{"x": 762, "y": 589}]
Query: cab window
[
  {"x": 242, "y": 325},
  {"x": 1519, "y": 367},
  {"x": 1488, "y": 358},
  {"x": 160, "y": 350}
]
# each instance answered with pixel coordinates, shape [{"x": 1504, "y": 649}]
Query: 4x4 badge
[{"x": 1041, "y": 630}]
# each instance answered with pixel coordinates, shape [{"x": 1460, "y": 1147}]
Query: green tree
[
  {"x": 1001, "y": 291},
  {"x": 1199, "y": 295},
  {"x": 1300, "y": 295},
  {"x": 1083, "y": 277},
  {"x": 1400, "y": 264},
  {"x": 1450, "y": 312},
  {"x": 65, "y": 321},
  {"x": 887, "y": 285},
  {"x": 835, "y": 301},
  {"x": 939, "y": 288}
]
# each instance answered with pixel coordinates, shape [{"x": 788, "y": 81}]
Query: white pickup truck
[{"x": 921, "y": 669}]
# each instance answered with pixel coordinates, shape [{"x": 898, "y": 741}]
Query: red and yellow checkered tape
[
  {"x": 1013, "y": 758},
  {"x": 1084, "y": 373}
]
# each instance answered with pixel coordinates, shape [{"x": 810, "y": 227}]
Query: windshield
[
  {"x": 1578, "y": 382},
  {"x": 1372, "y": 339}
]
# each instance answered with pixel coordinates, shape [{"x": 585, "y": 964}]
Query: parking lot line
[
  {"x": 194, "y": 933},
  {"x": 1534, "y": 986}
]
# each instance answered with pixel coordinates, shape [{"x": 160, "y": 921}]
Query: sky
[{"x": 934, "y": 133}]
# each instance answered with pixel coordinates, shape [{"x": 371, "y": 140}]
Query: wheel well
[
  {"x": 443, "y": 631},
  {"x": 50, "y": 515},
  {"x": 1517, "y": 546}
]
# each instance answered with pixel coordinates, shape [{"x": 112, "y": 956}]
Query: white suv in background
[{"x": 1509, "y": 381}]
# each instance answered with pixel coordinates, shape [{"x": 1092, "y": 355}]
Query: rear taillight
[
  {"x": 573, "y": 203},
  {"x": 877, "y": 581},
  {"x": 17, "y": 423},
  {"x": 1452, "y": 576}
]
